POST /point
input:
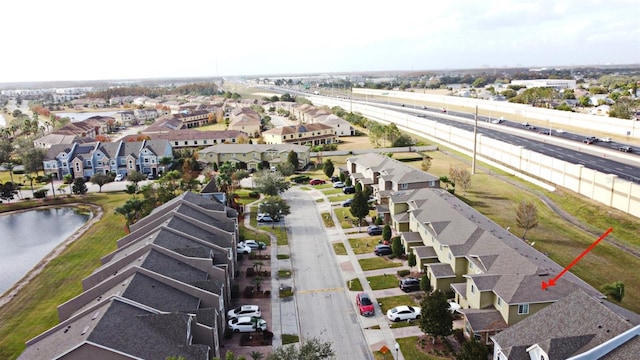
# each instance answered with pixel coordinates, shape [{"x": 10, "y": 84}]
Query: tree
[
  {"x": 526, "y": 216},
  {"x": 614, "y": 290},
  {"x": 100, "y": 179},
  {"x": 359, "y": 207},
  {"x": 292, "y": 159},
  {"x": 33, "y": 160},
  {"x": 396, "y": 246},
  {"x": 328, "y": 168},
  {"x": 9, "y": 166},
  {"x": 135, "y": 177},
  {"x": 50, "y": 178},
  {"x": 275, "y": 206},
  {"x": 386, "y": 232},
  {"x": 270, "y": 183},
  {"x": 6, "y": 149},
  {"x": 426, "y": 163},
  {"x": 30, "y": 179},
  {"x": 310, "y": 349},
  {"x": 436, "y": 318},
  {"x": 460, "y": 177},
  {"x": 8, "y": 191},
  {"x": 403, "y": 141},
  {"x": 473, "y": 350},
  {"x": 256, "y": 355},
  {"x": 411, "y": 260},
  {"x": 132, "y": 210},
  {"x": 79, "y": 186},
  {"x": 425, "y": 284},
  {"x": 286, "y": 169}
]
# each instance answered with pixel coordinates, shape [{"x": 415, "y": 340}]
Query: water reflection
[{"x": 27, "y": 237}]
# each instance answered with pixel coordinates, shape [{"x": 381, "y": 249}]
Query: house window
[
  {"x": 473, "y": 289},
  {"x": 153, "y": 161},
  {"x": 205, "y": 142},
  {"x": 449, "y": 256},
  {"x": 77, "y": 167},
  {"x": 146, "y": 160},
  {"x": 186, "y": 143},
  {"x": 175, "y": 143},
  {"x": 195, "y": 142},
  {"x": 499, "y": 302},
  {"x": 404, "y": 186},
  {"x": 523, "y": 309}
]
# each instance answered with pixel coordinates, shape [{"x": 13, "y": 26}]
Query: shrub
[
  {"x": 378, "y": 221},
  {"x": 254, "y": 194},
  {"x": 40, "y": 194},
  {"x": 403, "y": 273}
]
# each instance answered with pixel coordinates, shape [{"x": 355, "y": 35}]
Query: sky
[{"x": 44, "y": 40}]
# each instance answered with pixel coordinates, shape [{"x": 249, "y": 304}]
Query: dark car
[
  {"x": 383, "y": 250},
  {"x": 349, "y": 190},
  {"x": 409, "y": 284},
  {"x": 625, "y": 149},
  {"x": 347, "y": 203},
  {"x": 335, "y": 178},
  {"x": 365, "y": 305},
  {"x": 374, "y": 230}
]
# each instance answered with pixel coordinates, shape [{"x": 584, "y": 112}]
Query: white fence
[{"x": 605, "y": 188}]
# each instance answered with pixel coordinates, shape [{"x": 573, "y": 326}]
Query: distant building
[{"x": 302, "y": 134}]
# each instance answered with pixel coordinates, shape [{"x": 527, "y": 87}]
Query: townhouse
[
  {"x": 301, "y": 134},
  {"x": 253, "y": 156},
  {"x": 495, "y": 276},
  {"x": 85, "y": 160},
  {"x": 190, "y": 138},
  {"x": 246, "y": 120},
  {"x": 163, "y": 292}
]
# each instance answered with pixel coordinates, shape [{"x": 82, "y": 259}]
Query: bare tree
[
  {"x": 527, "y": 216},
  {"x": 460, "y": 178},
  {"x": 426, "y": 163}
]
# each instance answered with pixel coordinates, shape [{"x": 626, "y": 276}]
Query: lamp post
[{"x": 397, "y": 346}]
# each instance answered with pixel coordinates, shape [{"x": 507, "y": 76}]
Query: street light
[{"x": 397, "y": 346}]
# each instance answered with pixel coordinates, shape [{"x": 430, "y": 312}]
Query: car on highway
[
  {"x": 244, "y": 310},
  {"x": 544, "y": 132},
  {"x": 119, "y": 177},
  {"x": 349, "y": 190},
  {"x": 254, "y": 245},
  {"x": 241, "y": 248},
  {"x": 338, "y": 184},
  {"x": 409, "y": 284},
  {"x": 365, "y": 305},
  {"x": 605, "y": 139},
  {"x": 383, "y": 249},
  {"x": 374, "y": 230},
  {"x": 403, "y": 313},
  {"x": 588, "y": 141},
  {"x": 316, "y": 182},
  {"x": 247, "y": 324},
  {"x": 625, "y": 149},
  {"x": 347, "y": 203}
]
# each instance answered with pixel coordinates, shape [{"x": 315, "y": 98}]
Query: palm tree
[
  {"x": 9, "y": 166},
  {"x": 256, "y": 355},
  {"x": 30, "y": 178}
]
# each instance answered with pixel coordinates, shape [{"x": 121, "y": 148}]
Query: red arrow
[{"x": 552, "y": 282}]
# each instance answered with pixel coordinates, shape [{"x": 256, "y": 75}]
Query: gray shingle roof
[
  {"x": 441, "y": 270},
  {"x": 145, "y": 290},
  {"x": 482, "y": 320}
]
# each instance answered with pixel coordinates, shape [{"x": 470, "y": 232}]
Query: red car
[
  {"x": 316, "y": 182},
  {"x": 364, "y": 304}
]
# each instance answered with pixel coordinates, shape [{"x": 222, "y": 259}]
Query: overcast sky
[{"x": 89, "y": 40}]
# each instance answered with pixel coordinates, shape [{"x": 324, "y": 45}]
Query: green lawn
[
  {"x": 327, "y": 220},
  {"x": 383, "y": 282},
  {"x": 364, "y": 245},
  {"x": 339, "y": 249},
  {"x": 354, "y": 285},
  {"x": 331, "y": 191},
  {"x": 387, "y": 303},
  {"x": 377, "y": 263}
]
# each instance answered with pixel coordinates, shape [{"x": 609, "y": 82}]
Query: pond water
[{"x": 27, "y": 237}]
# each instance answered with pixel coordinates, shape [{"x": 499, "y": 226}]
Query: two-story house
[
  {"x": 245, "y": 119},
  {"x": 302, "y": 134},
  {"x": 253, "y": 156}
]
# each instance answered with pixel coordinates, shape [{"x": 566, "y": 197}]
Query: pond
[{"x": 27, "y": 237}]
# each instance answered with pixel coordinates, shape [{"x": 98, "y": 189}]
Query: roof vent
[
  {"x": 543, "y": 273},
  {"x": 95, "y": 315}
]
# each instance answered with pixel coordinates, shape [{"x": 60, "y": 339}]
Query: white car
[
  {"x": 605, "y": 139},
  {"x": 264, "y": 218},
  {"x": 247, "y": 324},
  {"x": 254, "y": 245},
  {"x": 338, "y": 184},
  {"x": 119, "y": 177},
  {"x": 243, "y": 249},
  {"x": 403, "y": 313},
  {"x": 244, "y": 310}
]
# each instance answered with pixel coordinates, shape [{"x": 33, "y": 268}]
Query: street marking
[{"x": 317, "y": 291}]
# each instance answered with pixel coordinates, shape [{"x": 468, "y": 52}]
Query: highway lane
[{"x": 324, "y": 309}]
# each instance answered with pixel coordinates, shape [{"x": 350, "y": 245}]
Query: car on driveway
[
  {"x": 349, "y": 190},
  {"x": 335, "y": 178},
  {"x": 265, "y": 218},
  {"x": 247, "y": 324},
  {"x": 316, "y": 182},
  {"x": 409, "y": 284},
  {"x": 347, "y": 203},
  {"x": 365, "y": 305},
  {"x": 119, "y": 177},
  {"x": 244, "y": 310},
  {"x": 338, "y": 184},
  {"x": 403, "y": 313},
  {"x": 383, "y": 249},
  {"x": 254, "y": 245},
  {"x": 625, "y": 148},
  {"x": 374, "y": 230},
  {"x": 241, "y": 248}
]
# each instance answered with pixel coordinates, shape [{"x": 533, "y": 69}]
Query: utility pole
[{"x": 475, "y": 140}]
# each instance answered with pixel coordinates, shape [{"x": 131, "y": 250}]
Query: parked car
[
  {"x": 403, "y": 313},
  {"x": 347, "y": 203},
  {"x": 150, "y": 176},
  {"x": 316, "y": 182},
  {"x": 261, "y": 217},
  {"x": 241, "y": 248},
  {"x": 365, "y": 305},
  {"x": 244, "y": 310},
  {"x": 338, "y": 184},
  {"x": 254, "y": 245},
  {"x": 335, "y": 178},
  {"x": 374, "y": 230},
  {"x": 119, "y": 177},
  {"x": 625, "y": 148},
  {"x": 349, "y": 190},
  {"x": 247, "y": 324},
  {"x": 383, "y": 249},
  {"x": 409, "y": 284}
]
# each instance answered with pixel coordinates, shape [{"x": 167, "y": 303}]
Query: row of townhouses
[
  {"x": 86, "y": 159},
  {"x": 494, "y": 276},
  {"x": 253, "y": 156},
  {"x": 81, "y": 131},
  {"x": 163, "y": 293}
]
